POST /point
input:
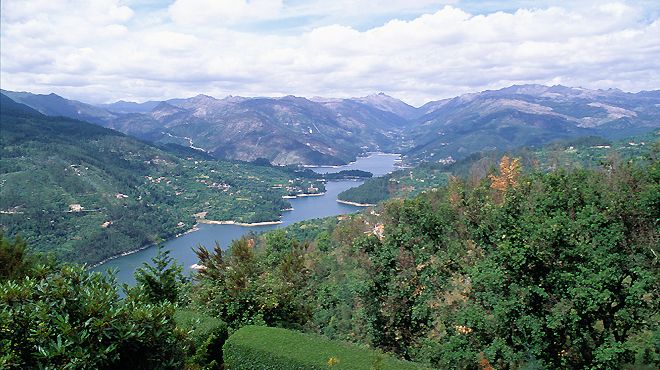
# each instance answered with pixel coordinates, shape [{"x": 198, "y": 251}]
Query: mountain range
[
  {"x": 528, "y": 115},
  {"x": 331, "y": 131}
]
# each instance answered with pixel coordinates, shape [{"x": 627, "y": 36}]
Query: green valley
[{"x": 86, "y": 193}]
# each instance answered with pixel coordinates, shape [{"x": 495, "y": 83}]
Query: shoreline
[
  {"x": 124, "y": 254},
  {"x": 302, "y": 195},
  {"x": 191, "y": 230},
  {"x": 246, "y": 224},
  {"x": 310, "y": 195},
  {"x": 355, "y": 204}
]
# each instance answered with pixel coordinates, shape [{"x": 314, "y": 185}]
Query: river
[{"x": 304, "y": 208}]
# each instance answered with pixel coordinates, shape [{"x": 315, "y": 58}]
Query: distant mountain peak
[
  {"x": 232, "y": 98},
  {"x": 204, "y": 96},
  {"x": 165, "y": 109},
  {"x": 124, "y": 106},
  {"x": 55, "y": 105},
  {"x": 166, "y": 106},
  {"x": 388, "y": 103},
  {"x": 379, "y": 95},
  {"x": 323, "y": 99}
]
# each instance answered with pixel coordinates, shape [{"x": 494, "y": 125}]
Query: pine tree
[{"x": 161, "y": 280}]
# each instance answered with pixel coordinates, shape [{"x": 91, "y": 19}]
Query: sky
[{"x": 100, "y": 51}]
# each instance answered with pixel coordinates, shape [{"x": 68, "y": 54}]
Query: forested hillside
[
  {"x": 513, "y": 270},
  {"x": 86, "y": 193}
]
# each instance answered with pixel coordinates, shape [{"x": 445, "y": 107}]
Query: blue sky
[{"x": 417, "y": 50}]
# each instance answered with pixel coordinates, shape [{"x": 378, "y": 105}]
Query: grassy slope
[{"x": 276, "y": 348}]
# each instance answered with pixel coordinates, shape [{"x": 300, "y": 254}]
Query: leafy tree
[
  {"x": 206, "y": 336},
  {"x": 247, "y": 286}
]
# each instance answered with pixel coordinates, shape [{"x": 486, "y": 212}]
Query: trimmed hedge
[
  {"x": 206, "y": 336},
  {"x": 259, "y": 347}
]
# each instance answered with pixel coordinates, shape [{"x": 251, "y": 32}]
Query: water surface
[{"x": 304, "y": 208}]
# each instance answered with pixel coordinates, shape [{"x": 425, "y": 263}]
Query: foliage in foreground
[
  {"x": 541, "y": 270},
  {"x": 61, "y": 316},
  {"x": 258, "y": 347},
  {"x": 161, "y": 280},
  {"x": 241, "y": 288},
  {"x": 15, "y": 261},
  {"x": 68, "y": 318}
]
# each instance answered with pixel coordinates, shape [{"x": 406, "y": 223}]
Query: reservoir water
[{"x": 304, "y": 208}]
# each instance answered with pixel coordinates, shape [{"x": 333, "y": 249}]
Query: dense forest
[
  {"x": 86, "y": 193},
  {"x": 60, "y": 315}
]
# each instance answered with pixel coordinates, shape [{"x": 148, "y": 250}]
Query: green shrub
[
  {"x": 258, "y": 347},
  {"x": 206, "y": 335},
  {"x": 68, "y": 318}
]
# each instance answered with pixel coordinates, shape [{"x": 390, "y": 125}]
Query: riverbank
[
  {"x": 302, "y": 195},
  {"x": 127, "y": 253},
  {"x": 124, "y": 254},
  {"x": 214, "y": 222},
  {"x": 192, "y": 230},
  {"x": 355, "y": 204}
]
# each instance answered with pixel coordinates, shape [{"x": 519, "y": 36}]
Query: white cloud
[
  {"x": 102, "y": 50},
  {"x": 222, "y": 12}
]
